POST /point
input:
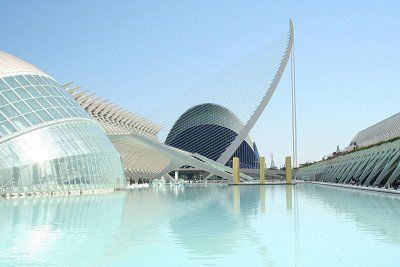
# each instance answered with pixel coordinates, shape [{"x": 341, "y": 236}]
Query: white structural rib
[
  {"x": 114, "y": 118},
  {"x": 227, "y": 154}
]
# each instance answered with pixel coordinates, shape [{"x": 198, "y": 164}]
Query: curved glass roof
[{"x": 29, "y": 100}]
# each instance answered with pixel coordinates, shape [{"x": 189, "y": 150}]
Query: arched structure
[
  {"x": 48, "y": 143},
  {"x": 255, "y": 78},
  {"x": 208, "y": 129}
]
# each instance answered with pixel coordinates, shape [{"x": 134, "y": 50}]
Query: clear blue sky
[{"x": 139, "y": 53}]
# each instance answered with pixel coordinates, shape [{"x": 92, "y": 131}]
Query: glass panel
[
  {"x": 39, "y": 79},
  {"x": 48, "y": 89},
  {"x": 3, "y": 101},
  {"x": 22, "y": 93},
  {"x": 31, "y": 80},
  {"x": 53, "y": 82},
  {"x": 20, "y": 122},
  {"x": 54, "y": 113},
  {"x": 43, "y": 102},
  {"x": 3, "y": 85},
  {"x": 61, "y": 102},
  {"x": 63, "y": 113},
  {"x": 9, "y": 111},
  {"x": 2, "y": 118},
  {"x": 33, "y": 104},
  {"x": 44, "y": 115},
  {"x": 3, "y": 132},
  {"x": 12, "y": 82},
  {"x": 53, "y": 102},
  {"x": 42, "y": 91},
  {"x": 22, "y": 107},
  {"x": 32, "y": 91},
  {"x": 11, "y": 96},
  {"x": 33, "y": 118},
  {"x": 47, "y": 81},
  {"x": 7, "y": 127},
  {"x": 59, "y": 91},
  {"x": 69, "y": 110},
  {"x": 22, "y": 80}
]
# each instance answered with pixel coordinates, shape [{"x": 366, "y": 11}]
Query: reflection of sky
[{"x": 305, "y": 225}]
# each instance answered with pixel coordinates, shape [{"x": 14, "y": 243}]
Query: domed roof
[
  {"x": 206, "y": 113},
  {"x": 11, "y": 65}
]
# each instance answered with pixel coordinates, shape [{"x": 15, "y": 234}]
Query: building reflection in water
[
  {"x": 32, "y": 228},
  {"x": 289, "y": 197},
  {"x": 236, "y": 198},
  {"x": 202, "y": 223},
  {"x": 373, "y": 212},
  {"x": 262, "y": 198}
]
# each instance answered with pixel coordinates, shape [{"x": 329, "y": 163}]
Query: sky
[{"x": 142, "y": 53}]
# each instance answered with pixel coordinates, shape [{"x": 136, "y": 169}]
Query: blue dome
[{"x": 208, "y": 129}]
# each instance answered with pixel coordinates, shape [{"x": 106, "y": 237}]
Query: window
[
  {"x": 3, "y": 101},
  {"x": 33, "y": 104},
  {"x": 31, "y": 90},
  {"x": 39, "y": 79},
  {"x": 12, "y": 82},
  {"x": 2, "y": 118},
  {"x": 61, "y": 102},
  {"x": 7, "y": 127},
  {"x": 22, "y": 93},
  {"x": 22, "y": 80},
  {"x": 63, "y": 112},
  {"x": 42, "y": 91},
  {"x": 9, "y": 111},
  {"x": 22, "y": 107},
  {"x": 3, "y": 85},
  {"x": 53, "y": 102},
  {"x": 32, "y": 80},
  {"x": 43, "y": 102},
  {"x": 11, "y": 96},
  {"x": 33, "y": 118},
  {"x": 54, "y": 113},
  {"x": 20, "y": 122},
  {"x": 44, "y": 115}
]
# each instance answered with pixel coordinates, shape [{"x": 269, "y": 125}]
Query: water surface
[{"x": 304, "y": 225}]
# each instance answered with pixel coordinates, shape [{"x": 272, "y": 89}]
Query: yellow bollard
[
  {"x": 288, "y": 164},
  {"x": 262, "y": 170},
  {"x": 236, "y": 170}
]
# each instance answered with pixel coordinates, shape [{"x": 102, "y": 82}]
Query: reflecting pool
[{"x": 303, "y": 225}]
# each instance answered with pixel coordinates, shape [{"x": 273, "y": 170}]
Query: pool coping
[{"x": 381, "y": 190}]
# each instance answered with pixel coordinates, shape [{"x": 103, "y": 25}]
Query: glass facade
[
  {"x": 28, "y": 100},
  {"x": 48, "y": 143}
]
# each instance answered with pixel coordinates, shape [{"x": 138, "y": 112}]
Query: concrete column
[
  {"x": 288, "y": 164},
  {"x": 176, "y": 175},
  {"x": 236, "y": 170},
  {"x": 262, "y": 170}
]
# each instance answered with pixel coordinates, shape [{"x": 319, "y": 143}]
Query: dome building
[
  {"x": 208, "y": 129},
  {"x": 48, "y": 143}
]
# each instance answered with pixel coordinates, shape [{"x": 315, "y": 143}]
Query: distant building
[
  {"x": 208, "y": 129},
  {"x": 384, "y": 130}
]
